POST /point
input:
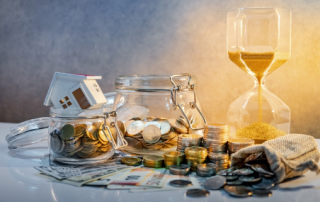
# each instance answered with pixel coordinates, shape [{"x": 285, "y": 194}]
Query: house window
[
  {"x": 66, "y": 98},
  {"x": 64, "y": 106},
  {"x": 69, "y": 103},
  {"x": 81, "y": 99},
  {"x": 61, "y": 101}
]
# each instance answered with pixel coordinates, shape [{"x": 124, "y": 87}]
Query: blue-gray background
[{"x": 110, "y": 38}]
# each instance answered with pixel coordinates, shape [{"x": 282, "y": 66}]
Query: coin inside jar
[
  {"x": 135, "y": 127},
  {"x": 151, "y": 134}
]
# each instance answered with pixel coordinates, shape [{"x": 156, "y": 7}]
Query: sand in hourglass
[{"x": 259, "y": 64}]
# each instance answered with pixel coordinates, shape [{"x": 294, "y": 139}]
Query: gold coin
[
  {"x": 131, "y": 161},
  {"x": 196, "y": 152}
]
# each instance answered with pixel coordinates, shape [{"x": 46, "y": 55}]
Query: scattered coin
[
  {"x": 264, "y": 184},
  {"x": 197, "y": 193},
  {"x": 249, "y": 179},
  {"x": 215, "y": 182},
  {"x": 261, "y": 193},
  {"x": 151, "y": 134},
  {"x": 235, "y": 182},
  {"x": 231, "y": 177},
  {"x": 242, "y": 171},
  {"x": 262, "y": 168},
  {"x": 67, "y": 132},
  {"x": 131, "y": 161},
  {"x": 238, "y": 191},
  {"x": 165, "y": 127},
  {"x": 180, "y": 183}
]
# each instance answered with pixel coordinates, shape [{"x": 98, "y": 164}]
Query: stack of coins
[
  {"x": 188, "y": 140},
  {"x": 216, "y": 141},
  {"x": 173, "y": 158},
  {"x": 195, "y": 155},
  {"x": 206, "y": 169},
  {"x": 153, "y": 161},
  {"x": 216, "y": 131},
  {"x": 221, "y": 160},
  {"x": 235, "y": 144}
]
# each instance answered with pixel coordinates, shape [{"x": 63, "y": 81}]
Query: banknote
[
  {"x": 107, "y": 180},
  {"x": 155, "y": 178},
  {"x": 89, "y": 177}
]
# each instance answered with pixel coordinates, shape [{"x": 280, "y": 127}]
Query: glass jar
[
  {"x": 73, "y": 138},
  {"x": 167, "y": 102}
]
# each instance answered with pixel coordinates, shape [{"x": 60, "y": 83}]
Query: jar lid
[
  {"x": 150, "y": 81},
  {"x": 28, "y": 133}
]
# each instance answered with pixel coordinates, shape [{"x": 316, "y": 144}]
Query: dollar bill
[{"x": 134, "y": 177}]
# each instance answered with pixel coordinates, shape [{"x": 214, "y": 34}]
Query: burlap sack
[{"x": 288, "y": 156}]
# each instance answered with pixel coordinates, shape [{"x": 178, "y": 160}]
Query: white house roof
[{"x": 47, "y": 101}]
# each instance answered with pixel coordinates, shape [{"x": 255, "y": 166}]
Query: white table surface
[{"x": 18, "y": 182}]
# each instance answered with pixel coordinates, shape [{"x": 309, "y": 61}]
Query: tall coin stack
[
  {"x": 195, "y": 155},
  {"x": 188, "y": 140},
  {"x": 235, "y": 144},
  {"x": 216, "y": 141}
]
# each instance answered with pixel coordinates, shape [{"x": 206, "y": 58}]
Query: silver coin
[
  {"x": 197, "y": 193},
  {"x": 261, "y": 193},
  {"x": 238, "y": 191},
  {"x": 182, "y": 169},
  {"x": 178, "y": 126},
  {"x": 180, "y": 183},
  {"x": 242, "y": 171},
  {"x": 151, "y": 134},
  {"x": 165, "y": 127},
  {"x": 215, "y": 182},
  {"x": 264, "y": 184},
  {"x": 56, "y": 144},
  {"x": 226, "y": 171},
  {"x": 135, "y": 127},
  {"x": 234, "y": 183},
  {"x": 152, "y": 123},
  {"x": 231, "y": 177},
  {"x": 249, "y": 179},
  {"x": 262, "y": 168}
]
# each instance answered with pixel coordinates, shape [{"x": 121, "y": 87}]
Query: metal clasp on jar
[
  {"x": 193, "y": 105},
  {"x": 120, "y": 141}
]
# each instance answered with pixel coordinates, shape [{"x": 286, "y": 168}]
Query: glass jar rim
[{"x": 150, "y": 81}]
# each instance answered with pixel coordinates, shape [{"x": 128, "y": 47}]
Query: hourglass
[{"x": 259, "y": 42}]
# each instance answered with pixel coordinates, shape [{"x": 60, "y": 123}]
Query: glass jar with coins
[
  {"x": 153, "y": 110},
  {"x": 81, "y": 138},
  {"x": 89, "y": 137}
]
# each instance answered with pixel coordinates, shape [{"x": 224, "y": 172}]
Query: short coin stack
[
  {"x": 195, "y": 155},
  {"x": 188, "y": 140},
  {"x": 173, "y": 158},
  {"x": 206, "y": 169},
  {"x": 221, "y": 160},
  {"x": 235, "y": 144},
  {"x": 215, "y": 140},
  {"x": 153, "y": 161}
]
